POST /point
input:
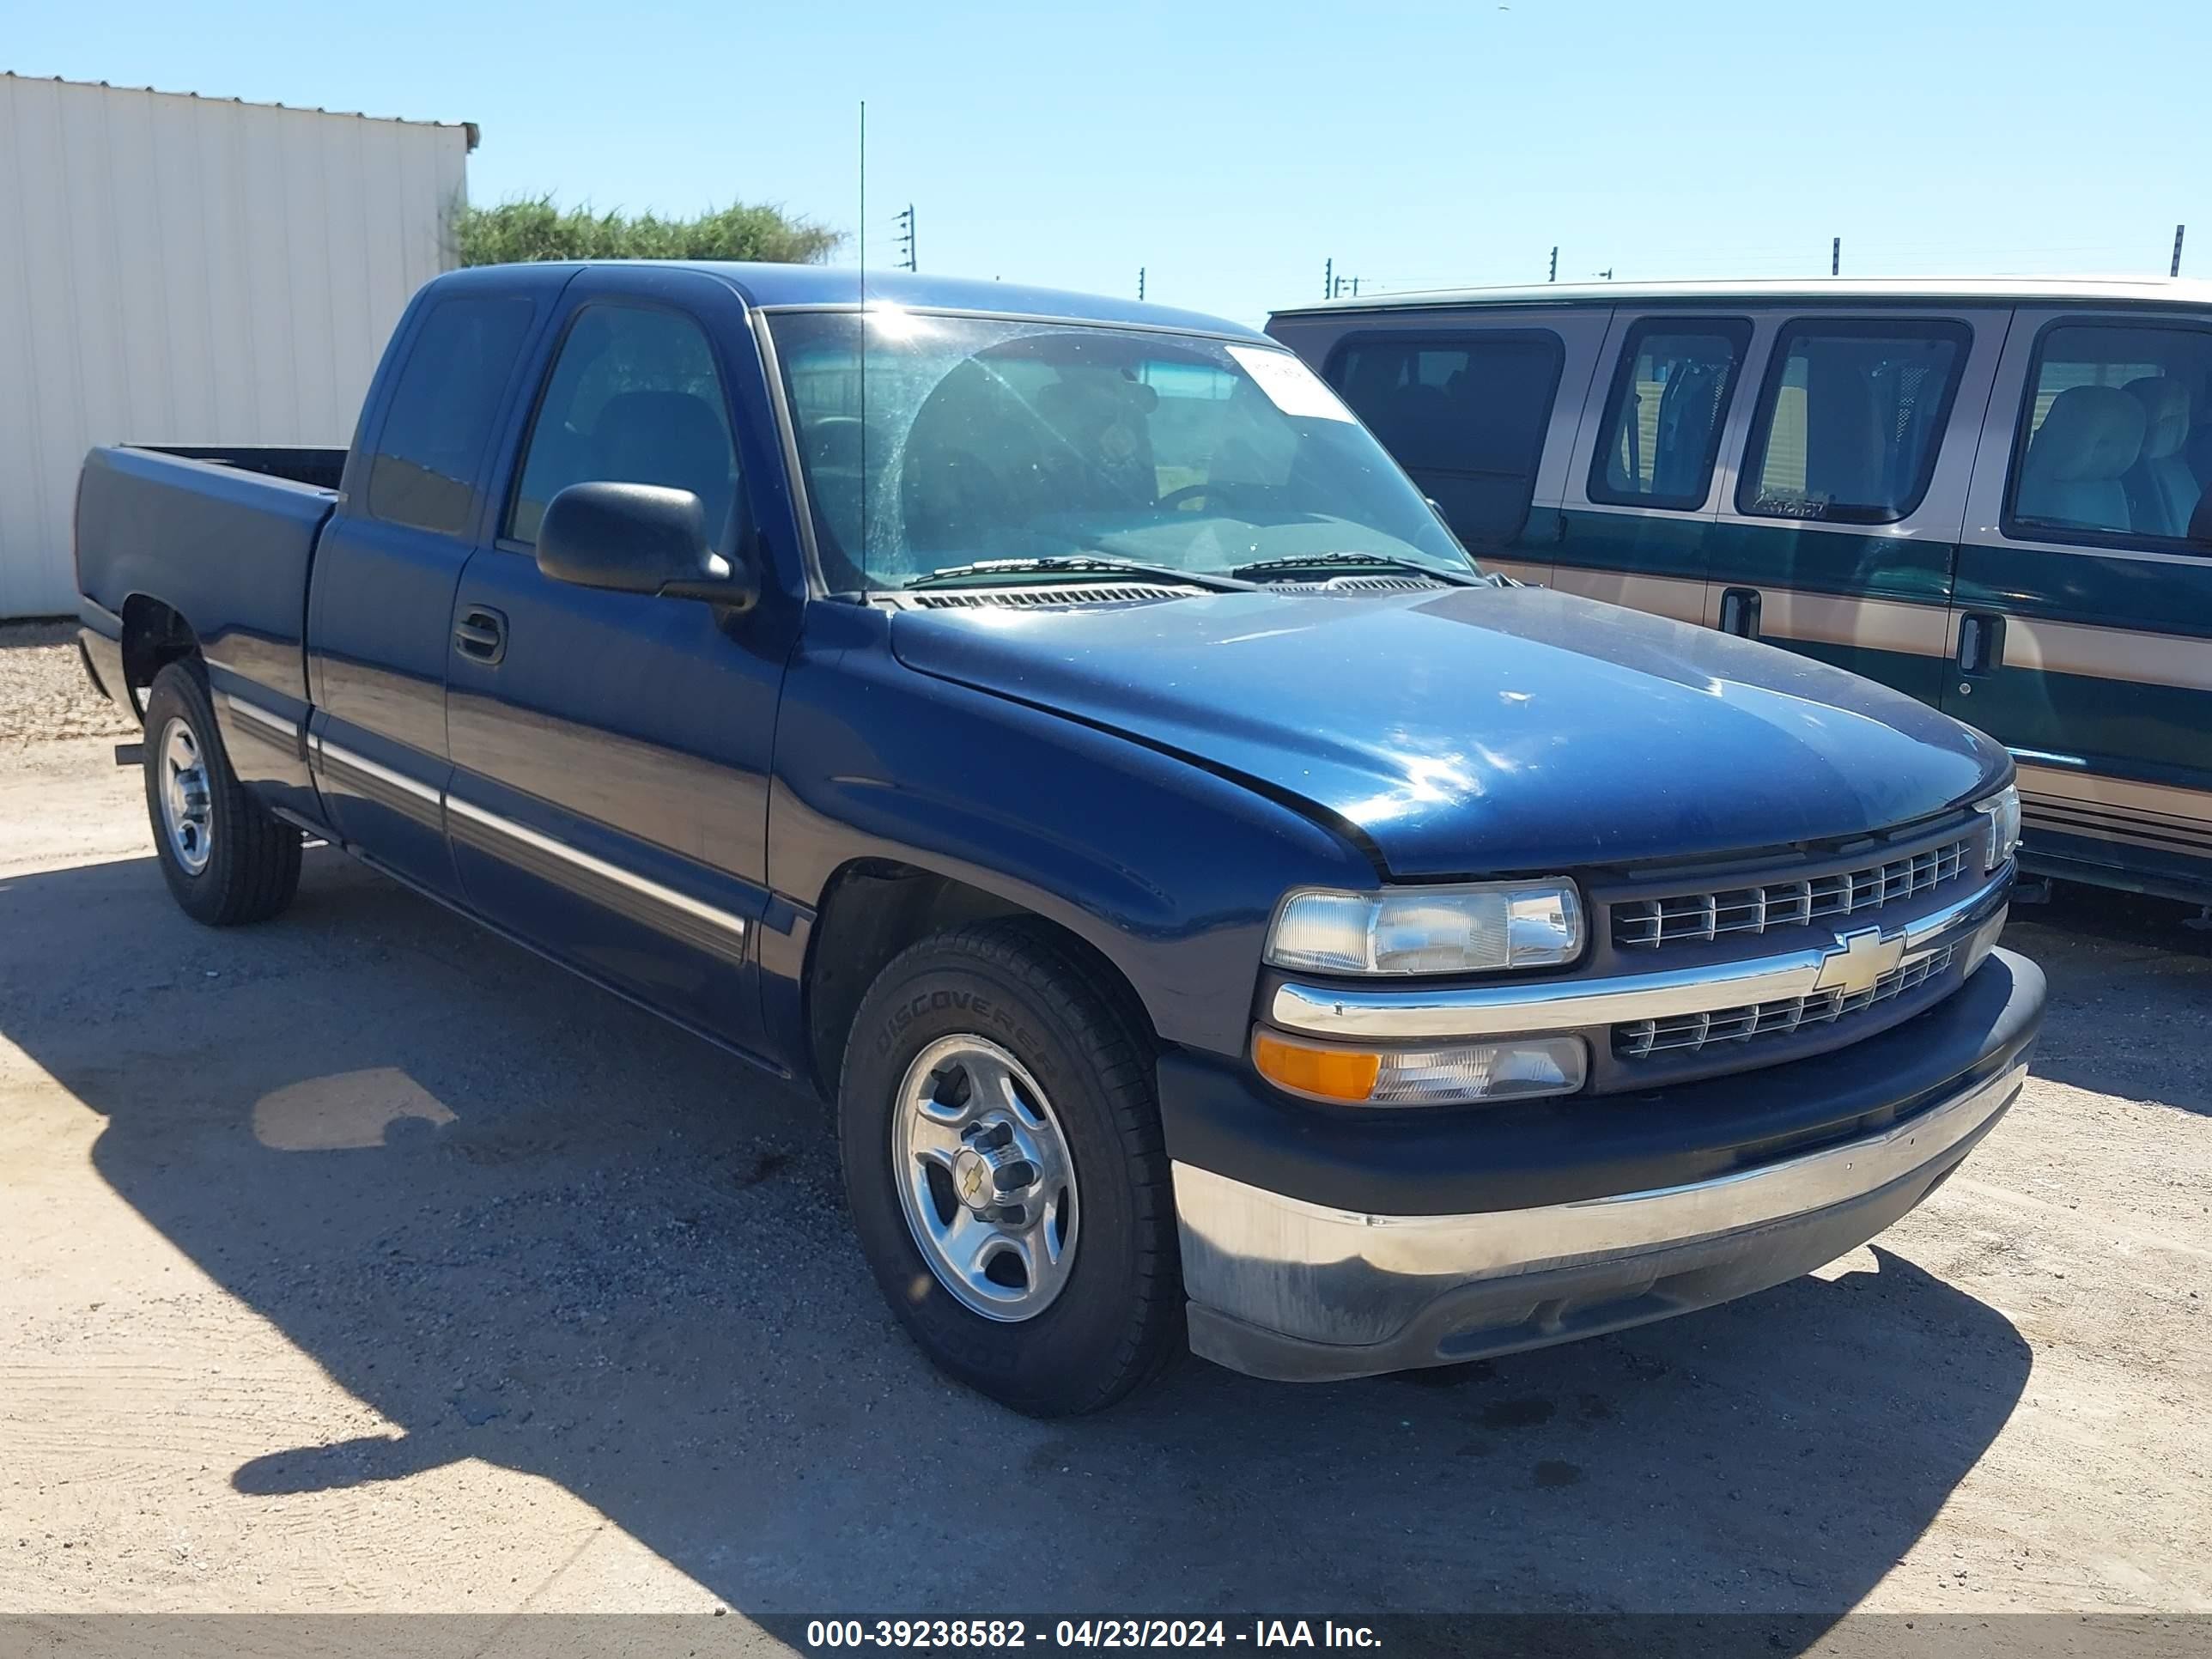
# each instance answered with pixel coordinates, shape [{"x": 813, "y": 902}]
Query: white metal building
[{"x": 179, "y": 269}]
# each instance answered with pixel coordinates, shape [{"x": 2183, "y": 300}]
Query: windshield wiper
[
  {"x": 1087, "y": 561},
  {"x": 1373, "y": 561}
]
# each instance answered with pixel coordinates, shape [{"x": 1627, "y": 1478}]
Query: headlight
[
  {"x": 2001, "y": 828},
  {"x": 1429, "y": 930},
  {"x": 1507, "y": 1069}
]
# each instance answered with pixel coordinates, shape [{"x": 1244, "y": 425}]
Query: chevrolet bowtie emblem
[{"x": 1859, "y": 960}]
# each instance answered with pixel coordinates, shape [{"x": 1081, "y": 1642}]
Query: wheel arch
[
  {"x": 154, "y": 635},
  {"x": 874, "y": 907}
]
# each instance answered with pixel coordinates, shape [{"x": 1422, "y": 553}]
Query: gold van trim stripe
[
  {"x": 2108, "y": 653},
  {"x": 1663, "y": 596},
  {"x": 2164, "y": 835},
  {"x": 2125, "y": 794},
  {"x": 2102, "y": 832},
  {"x": 1898, "y": 626},
  {"x": 2144, "y": 816}
]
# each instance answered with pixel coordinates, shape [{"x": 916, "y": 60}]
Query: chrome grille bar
[
  {"x": 1648, "y": 924},
  {"x": 1690, "y": 1033}
]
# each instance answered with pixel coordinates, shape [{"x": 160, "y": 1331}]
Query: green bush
[{"x": 520, "y": 231}]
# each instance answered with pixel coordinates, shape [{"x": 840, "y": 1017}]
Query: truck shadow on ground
[{"x": 530, "y": 1224}]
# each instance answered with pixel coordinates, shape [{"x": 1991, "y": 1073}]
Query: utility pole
[
  {"x": 1328, "y": 279},
  {"x": 1140, "y": 282},
  {"x": 905, "y": 239},
  {"x": 1555, "y": 276},
  {"x": 1836, "y": 258},
  {"x": 2178, "y": 230}
]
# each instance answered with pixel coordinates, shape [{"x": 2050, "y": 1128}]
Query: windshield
[{"x": 978, "y": 439}]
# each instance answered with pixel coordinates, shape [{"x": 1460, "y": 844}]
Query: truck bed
[{"x": 224, "y": 536}]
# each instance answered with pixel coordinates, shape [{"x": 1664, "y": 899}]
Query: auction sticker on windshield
[{"x": 1290, "y": 384}]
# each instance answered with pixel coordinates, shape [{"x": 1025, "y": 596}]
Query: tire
[
  {"x": 227, "y": 858},
  {"x": 1109, "y": 1315}
]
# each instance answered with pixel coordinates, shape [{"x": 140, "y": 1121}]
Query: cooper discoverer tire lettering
[{"x": 1003, "y": 1165}]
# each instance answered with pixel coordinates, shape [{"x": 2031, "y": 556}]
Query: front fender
[{"x": 1168, "y": 870}]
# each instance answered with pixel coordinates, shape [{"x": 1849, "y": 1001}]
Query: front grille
[
  {"x": 1691, "y": 1033},
  {"x": 1649, "y": 923}
]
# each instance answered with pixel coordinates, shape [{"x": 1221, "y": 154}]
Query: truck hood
[{"x": 1477, "y": 731}]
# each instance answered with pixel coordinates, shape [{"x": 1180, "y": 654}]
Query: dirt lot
[{"x": 360, "y": 1261}]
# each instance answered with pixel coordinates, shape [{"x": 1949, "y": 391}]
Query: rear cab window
[
  {"x": 1663, "y": 416},
  {"x": 438, "y": 424},
  {"x": 1465, "y": 414},
  {"x": 2114, "y": 438},
  {"x": 1851, "y": 418}
]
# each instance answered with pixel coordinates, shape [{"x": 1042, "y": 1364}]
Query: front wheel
[
  {"x": 227, "y": 858},
  {"x": 1004, "y": 1164}
]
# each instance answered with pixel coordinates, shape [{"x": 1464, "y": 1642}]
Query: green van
[{"x": 1996, "y": 494}]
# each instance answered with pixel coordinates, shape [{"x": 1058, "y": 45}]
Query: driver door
[{"x": 609, "y": 801}]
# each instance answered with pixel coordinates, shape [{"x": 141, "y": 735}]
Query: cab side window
[
  {"x": 1852, "y": 419},
  {"x": 1662, "y": 418},
  {"x": 1465, "y": 414},
  {"x": 424, "y": 472},
  {"x": 634, "y": 397},
  {"x": 2115, "y": 440}
]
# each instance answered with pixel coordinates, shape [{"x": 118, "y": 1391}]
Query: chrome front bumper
[{"x": 1283, "y": 1288}]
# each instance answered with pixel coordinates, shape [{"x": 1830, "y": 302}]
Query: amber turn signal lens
[{"x": 1331, "y": 1073}]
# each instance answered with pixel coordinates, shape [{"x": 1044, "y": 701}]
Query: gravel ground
[
  {"x": 362, "y": 1262},
  {"x": 44, "y": 693}
]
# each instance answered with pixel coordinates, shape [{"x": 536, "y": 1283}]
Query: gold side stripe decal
[
  {"x": 1662, "y": 596},
  {"x": 2124, "y": 794},
  {"x": 2156, "y": 843},
  {"x": 2108, "y": 653},
  {"x": 1894, "y": 625},
  {"x": 1906, "y": 628}
]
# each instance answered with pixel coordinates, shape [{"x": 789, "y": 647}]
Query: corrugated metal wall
[{"x": 192, "y": 270}]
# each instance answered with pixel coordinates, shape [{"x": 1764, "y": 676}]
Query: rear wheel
[
  {"x": 1003, "y": 1161},
  {"x": 227, "y": 858}
]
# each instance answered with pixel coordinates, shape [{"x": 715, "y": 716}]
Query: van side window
[
  {"x": 2116, "y": 436},
  {"x": 1662, "y": 418},
  {"x": 634, "y": 397},
  {"x": 1851, "y": 419},
  {"x": 1464, "y": 414},
  {"x": 423, "y": 472}
]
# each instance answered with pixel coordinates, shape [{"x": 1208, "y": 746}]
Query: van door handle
[
  {"x": 481, "y": 634},
  {"x": 1981, "y": 642},
  {"x": 1740, "y": 609}
]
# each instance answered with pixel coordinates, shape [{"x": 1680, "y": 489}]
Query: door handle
[
  {"x": 1981, "y": 642},
  {"x": 481, "y": 634},
  {"x": 1740, "y": 609}
]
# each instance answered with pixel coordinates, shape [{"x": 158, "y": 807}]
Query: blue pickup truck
[{"x": 1055, "y": 730}]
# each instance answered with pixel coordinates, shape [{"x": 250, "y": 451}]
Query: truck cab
[{"x": 1221, "y": 914}]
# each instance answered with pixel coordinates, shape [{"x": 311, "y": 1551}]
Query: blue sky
[{"x": 1231, "y": 149}]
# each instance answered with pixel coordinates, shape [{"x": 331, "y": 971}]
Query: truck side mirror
[{"x": 639, "y": 538}]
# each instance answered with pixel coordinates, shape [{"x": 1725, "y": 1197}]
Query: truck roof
[
  {"x": 2009, "y": 290},
  {"x": 770, "y": 286}
]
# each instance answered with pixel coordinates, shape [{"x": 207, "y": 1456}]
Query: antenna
[{"x": 862, "y": 375}]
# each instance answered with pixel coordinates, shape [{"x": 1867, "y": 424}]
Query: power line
[{"x": 904, "y": 240}]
